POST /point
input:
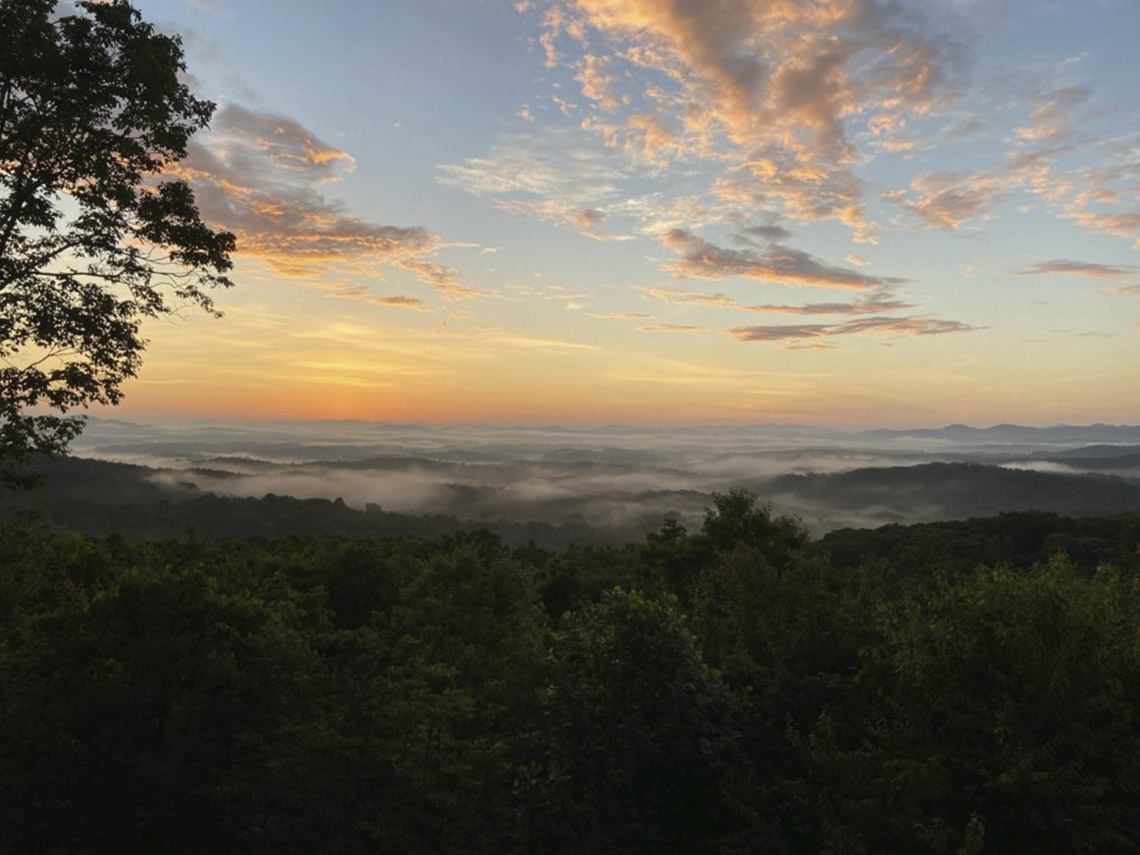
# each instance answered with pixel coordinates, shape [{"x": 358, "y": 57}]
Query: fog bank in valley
[{"x": 626, "y": 478}]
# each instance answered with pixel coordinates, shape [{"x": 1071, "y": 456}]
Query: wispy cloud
[
  {"x": 549, "y": 177},
  {"x": 671, "y": 328},
  {"x": 865, "y": 305},
  {"x": 1078, "y": 268},
  {"x": 1052, "y": 115},
  {"x": 906, "y": 326},
  {"x": 621, "y": 316},
  {"x": 259, "y": 175},
  {"x": 870, "y": 304},
  {"x": 401, "y": 302},
  {"x": 677, "y": 297},
  {"x": 776, "y": 263}
]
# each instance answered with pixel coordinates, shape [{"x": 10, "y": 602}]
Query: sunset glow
[{"x": 845, "y": 212}]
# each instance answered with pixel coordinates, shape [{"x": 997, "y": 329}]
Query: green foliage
[
  {"x": 92, "y": 238},
  {"x": 737, "y": 520},
  {"x": 1020, "y": 539},
  {"x": 638, "y": 737},
  {"x": 410, "y": 696},
  {"x": 1012, "y": 697},
  {"x": 142, "y": 698}
]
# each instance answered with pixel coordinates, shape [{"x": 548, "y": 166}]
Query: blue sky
[{"x": 844, "y": 212}]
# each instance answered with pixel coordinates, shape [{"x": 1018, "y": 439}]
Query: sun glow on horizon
[{"x": 626, "y": 211}]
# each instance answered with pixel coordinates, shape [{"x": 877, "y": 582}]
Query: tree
[
  {"x": 1006, "y": 702},
  {"x": 93, "y": 237},
  {"x": 636, "y": 752}
]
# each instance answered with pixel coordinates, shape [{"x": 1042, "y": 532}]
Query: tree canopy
[
  {"x": 458, "y": 695},
  {"x": 93, "y": 238}
]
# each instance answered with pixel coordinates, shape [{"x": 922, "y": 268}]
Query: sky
[{"x": 847, "y": 213}]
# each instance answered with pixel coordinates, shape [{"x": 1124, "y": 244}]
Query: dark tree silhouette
[{"x": 93, "y": 237}]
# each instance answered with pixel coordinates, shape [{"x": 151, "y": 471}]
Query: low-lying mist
[{"x": 631, "y": 478}]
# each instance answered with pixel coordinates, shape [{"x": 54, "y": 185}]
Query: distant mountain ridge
[
  {"x": 943, "y": 491},
  {"x": 111, "y": 429},
  {"x": 1010, "y": 433},
  {"x": 583, "y": 503}
]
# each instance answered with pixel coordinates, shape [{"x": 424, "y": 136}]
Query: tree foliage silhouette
[{"x": 93, "y": 237}]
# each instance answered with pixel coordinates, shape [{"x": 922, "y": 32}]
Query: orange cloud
[
  {"x": 596, "y": 84},
  {"x": 402, "y": 303},
  {"x": 258, "y": 175},
  {"x": 281, "y": 141},
  {"x": 772, "y": 81}
]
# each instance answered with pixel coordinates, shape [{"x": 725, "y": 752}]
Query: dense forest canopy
[{"x": 958, "y": 687}]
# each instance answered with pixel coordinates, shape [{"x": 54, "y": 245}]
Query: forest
[{"x": 957, "y": 687}]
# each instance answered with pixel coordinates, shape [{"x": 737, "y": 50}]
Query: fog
[{"x": 608, "y": 477}]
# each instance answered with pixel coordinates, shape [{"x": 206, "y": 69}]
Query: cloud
[
  {"x": 1115, "y": 181},
  {"x": 542, "y": 165},
  {"x": 621, "y": 316},
  {"x": 1052, "y": 114},
  {"x": 772, "y": 82},
  {"x": 1048, "y": 156},
  {"x": 908, "y": 326},
  {"x": 671, "y": 328},
  {"x": 1078, "y": 268},
  {"x": 251, "y": 140},
  {"x": 1125, "y": 224},
  {"x": 597, "y": 85},
  {"x": 587, "y": 222},
  {"x": 1126, "y": 291},
  {"x": 259, "y": 176},
  {"x": 769, "y": 234},
  {"x": 549, "y": 177},
  {"x": 525, "y": 342},
  {"x": 870, "y": 304},
  {"x": 777, "y": 263},
  {"x": 402, "y": 303},
  {"x": 700, "y": 298},
  {"x": 1083, "y": 333},
  {"x": 946, "y": 200},
  {"x": 864, "y": 305},
  {"x": 774, "y": 179}
]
